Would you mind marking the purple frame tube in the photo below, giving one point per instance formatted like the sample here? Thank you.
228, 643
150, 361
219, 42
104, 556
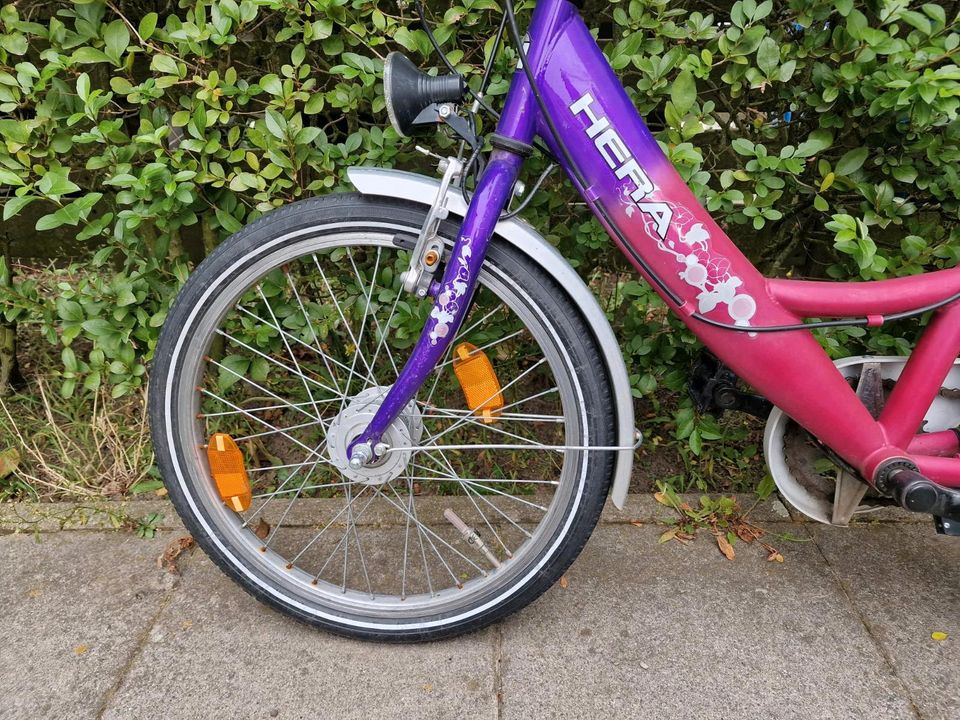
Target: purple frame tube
634, 190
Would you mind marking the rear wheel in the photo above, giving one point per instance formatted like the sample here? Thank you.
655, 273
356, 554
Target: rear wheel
288, 337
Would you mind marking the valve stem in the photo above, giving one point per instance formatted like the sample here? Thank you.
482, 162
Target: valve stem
470, 535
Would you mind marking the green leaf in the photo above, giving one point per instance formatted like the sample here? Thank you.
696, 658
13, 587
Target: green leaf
683, 93
87, 55
227, 221
69, 310
55, 185
768, 56
905, 173
83, 86
15, 44
742, 146
9, 462
234, 367
852, 161
271, 84
148, 25
818, 141
8, 177
165, 64
15, 205
314, 104
276, 125
116, 37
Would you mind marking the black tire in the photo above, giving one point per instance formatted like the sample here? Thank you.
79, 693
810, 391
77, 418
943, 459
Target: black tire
585, 360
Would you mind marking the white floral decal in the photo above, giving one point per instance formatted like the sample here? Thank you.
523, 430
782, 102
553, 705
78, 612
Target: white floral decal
448, 301
702, 269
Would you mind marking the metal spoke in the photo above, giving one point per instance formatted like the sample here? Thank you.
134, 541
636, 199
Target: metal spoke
259, 420
435, 437
322, 486
291, 406
502, 514
483, 348
293, 358
472, 419
469, 494
276, 362
428, 533
351, 522
312, 423
444, 413
326, 358
373, 315
329, 524
313, 332
343, 319
279, 524
423, 551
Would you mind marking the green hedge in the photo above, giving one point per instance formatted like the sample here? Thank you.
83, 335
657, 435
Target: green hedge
825, 135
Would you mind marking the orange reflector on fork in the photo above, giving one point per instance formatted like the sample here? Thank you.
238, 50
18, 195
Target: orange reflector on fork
479, 382
229, 474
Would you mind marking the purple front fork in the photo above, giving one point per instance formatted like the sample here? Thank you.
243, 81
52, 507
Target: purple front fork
452, 298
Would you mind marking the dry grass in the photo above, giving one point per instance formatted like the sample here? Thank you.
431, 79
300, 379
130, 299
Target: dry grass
78, 448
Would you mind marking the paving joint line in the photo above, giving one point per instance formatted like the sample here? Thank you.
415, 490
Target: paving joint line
137, 651
498, 669
887, 659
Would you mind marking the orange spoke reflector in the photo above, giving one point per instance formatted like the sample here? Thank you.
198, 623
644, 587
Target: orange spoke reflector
477, 378
229, 474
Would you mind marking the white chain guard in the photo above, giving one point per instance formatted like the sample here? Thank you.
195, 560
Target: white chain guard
943, 414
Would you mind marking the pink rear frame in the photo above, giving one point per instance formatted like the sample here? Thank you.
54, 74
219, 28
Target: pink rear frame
674, 243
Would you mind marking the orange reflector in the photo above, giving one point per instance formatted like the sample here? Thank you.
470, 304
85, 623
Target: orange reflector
226, 466
481, 389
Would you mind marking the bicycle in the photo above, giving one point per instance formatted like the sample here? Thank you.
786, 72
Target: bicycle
333, 431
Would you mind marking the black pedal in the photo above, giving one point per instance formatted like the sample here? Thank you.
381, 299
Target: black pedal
713, 388
947, 526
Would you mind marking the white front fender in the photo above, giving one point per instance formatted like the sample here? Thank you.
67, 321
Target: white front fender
421, 189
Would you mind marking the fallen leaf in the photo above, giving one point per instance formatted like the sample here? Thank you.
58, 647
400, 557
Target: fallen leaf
80, 649
662, 499
168, 560
774, 556
9, 461
725, 547
939, 636
262, 529
668, 535
564, 582
162, 492
637, 523
747, 533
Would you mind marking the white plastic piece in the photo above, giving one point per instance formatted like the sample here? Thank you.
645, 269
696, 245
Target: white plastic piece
942, 415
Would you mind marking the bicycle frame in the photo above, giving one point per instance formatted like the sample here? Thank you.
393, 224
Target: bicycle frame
631, 186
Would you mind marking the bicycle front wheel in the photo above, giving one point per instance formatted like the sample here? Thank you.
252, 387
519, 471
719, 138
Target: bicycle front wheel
287, 338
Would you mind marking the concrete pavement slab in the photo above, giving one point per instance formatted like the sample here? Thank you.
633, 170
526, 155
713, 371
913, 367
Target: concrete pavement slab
215, 652
665, 631
905, 582
75, 606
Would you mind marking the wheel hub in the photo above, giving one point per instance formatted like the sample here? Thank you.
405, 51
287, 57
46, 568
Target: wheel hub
405, 431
